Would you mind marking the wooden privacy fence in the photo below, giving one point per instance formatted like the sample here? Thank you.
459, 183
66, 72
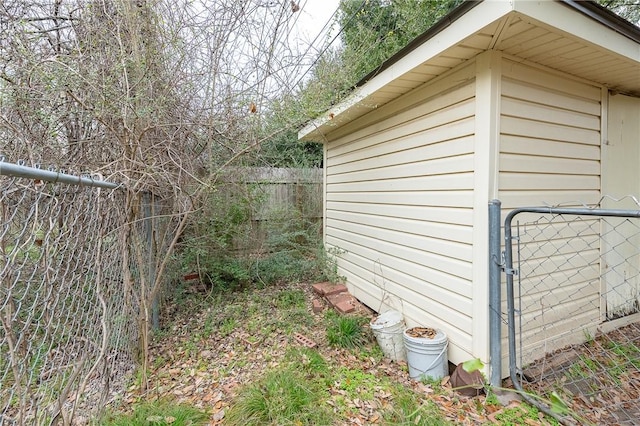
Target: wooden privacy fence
271, 200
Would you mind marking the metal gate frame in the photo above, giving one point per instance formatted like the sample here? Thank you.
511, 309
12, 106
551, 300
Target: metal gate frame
502, 262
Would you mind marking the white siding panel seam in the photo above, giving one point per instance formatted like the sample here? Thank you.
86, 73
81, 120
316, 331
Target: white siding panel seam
383, 276
531, 73
548, 114
427, 123
452, 89
447, 265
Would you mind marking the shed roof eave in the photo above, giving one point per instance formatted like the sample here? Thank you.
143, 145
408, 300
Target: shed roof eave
451, 29
606, 17
621, 41
588, 25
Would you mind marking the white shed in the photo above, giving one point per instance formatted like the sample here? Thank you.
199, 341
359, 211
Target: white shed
514, 100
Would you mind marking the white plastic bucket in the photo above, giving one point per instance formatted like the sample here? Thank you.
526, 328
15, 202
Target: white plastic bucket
427, 358
388, 328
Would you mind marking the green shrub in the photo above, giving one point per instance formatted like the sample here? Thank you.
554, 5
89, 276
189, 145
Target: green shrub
219, 242
226, 273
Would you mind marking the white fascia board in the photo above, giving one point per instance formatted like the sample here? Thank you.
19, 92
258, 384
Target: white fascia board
554, 14
470, 23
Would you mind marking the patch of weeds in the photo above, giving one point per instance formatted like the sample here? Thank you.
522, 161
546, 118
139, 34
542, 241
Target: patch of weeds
588, 337
628, 352
347, 332
160, 334
289, 299
521, 415
160, 412
356, 383
228, 326
435, 384
371, 353
268, 329
616, 373
209, 324
190, 348
409, 408
591, 364
583, 368
281, 397
236, 307
253, 307
398, 405
298, 317
159, 361
254, 325
492, 399
308, 360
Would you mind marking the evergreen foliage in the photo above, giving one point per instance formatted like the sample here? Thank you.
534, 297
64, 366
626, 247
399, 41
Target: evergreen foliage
373, 30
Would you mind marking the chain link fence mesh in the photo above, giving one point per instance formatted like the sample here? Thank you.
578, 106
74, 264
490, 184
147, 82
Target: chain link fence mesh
577, 312
69, 299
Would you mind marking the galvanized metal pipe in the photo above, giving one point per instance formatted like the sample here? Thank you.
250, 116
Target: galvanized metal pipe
17, 170
495, 296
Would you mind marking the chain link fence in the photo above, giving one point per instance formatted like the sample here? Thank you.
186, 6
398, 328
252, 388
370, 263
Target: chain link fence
70, 302
573, 308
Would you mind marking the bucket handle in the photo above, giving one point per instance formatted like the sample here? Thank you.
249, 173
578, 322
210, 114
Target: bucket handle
434, 360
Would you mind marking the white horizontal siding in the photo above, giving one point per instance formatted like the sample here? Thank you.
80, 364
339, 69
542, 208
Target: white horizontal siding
445, 141
536, 130
424, 116
416, 217
441, 255
523, 145
549, 138
390, 168
550, 155
416, 199
457, 181
398, 201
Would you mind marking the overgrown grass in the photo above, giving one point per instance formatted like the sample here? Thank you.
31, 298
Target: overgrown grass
411, 409
281, 397
307, 389
156, 413
347, 331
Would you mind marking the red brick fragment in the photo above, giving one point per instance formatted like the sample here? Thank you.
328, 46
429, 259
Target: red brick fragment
343, 302
305, 341
336, 289
327, 288
317, 306
345, 306
334, 299
320, 287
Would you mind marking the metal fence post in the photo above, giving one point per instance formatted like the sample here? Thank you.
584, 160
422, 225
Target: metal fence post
148, 202
495, 335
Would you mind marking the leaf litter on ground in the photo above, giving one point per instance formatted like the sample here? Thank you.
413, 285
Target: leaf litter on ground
196, 362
